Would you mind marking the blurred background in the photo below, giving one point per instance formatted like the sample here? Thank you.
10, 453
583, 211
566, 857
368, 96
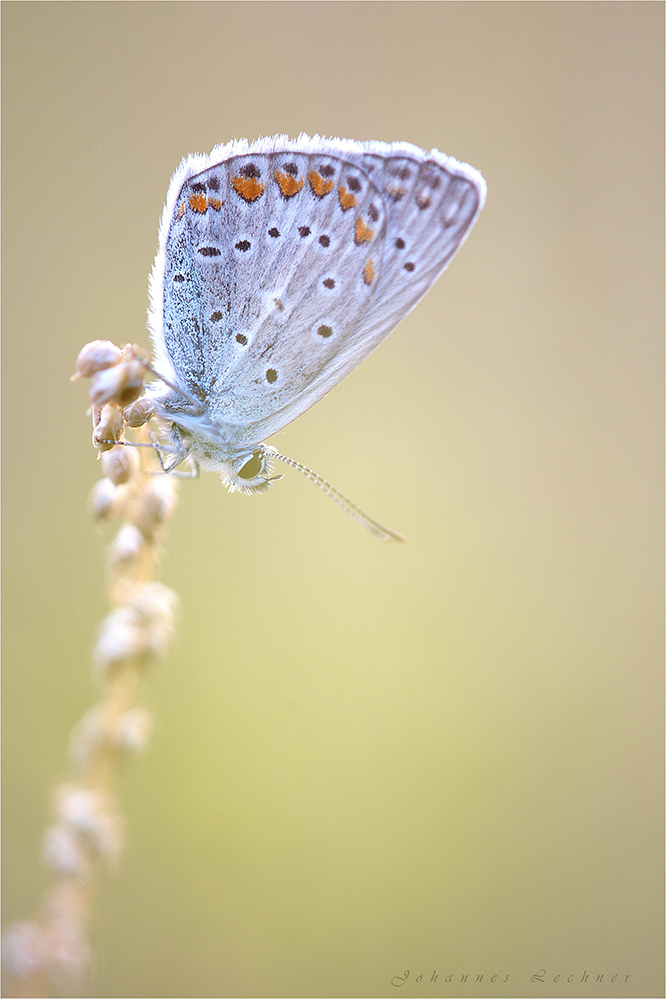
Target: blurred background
368, 759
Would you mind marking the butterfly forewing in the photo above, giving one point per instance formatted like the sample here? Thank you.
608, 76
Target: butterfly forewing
430, 208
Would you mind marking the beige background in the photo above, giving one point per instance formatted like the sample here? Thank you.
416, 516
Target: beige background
367, 758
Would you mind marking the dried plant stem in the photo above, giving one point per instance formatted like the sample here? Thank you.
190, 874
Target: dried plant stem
52, 951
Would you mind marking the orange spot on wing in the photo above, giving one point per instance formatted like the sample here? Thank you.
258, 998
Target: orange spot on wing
248, 188
369, 272
319, 185
181, 209
396, 193
288, 185
347, 199
198, 203
215, 203
362, 234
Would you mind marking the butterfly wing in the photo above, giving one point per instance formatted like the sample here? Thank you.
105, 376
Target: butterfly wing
283, 264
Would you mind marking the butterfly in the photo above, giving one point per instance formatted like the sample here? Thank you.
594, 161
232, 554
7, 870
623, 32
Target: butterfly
281, 265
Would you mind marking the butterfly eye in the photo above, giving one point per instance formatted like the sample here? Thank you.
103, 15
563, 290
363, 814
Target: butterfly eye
245, 471
253, 467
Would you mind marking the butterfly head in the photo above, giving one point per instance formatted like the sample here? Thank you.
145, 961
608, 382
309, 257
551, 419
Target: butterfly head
248, 471
192, 433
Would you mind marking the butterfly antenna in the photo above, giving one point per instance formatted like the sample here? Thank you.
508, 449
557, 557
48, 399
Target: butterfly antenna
380, 530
